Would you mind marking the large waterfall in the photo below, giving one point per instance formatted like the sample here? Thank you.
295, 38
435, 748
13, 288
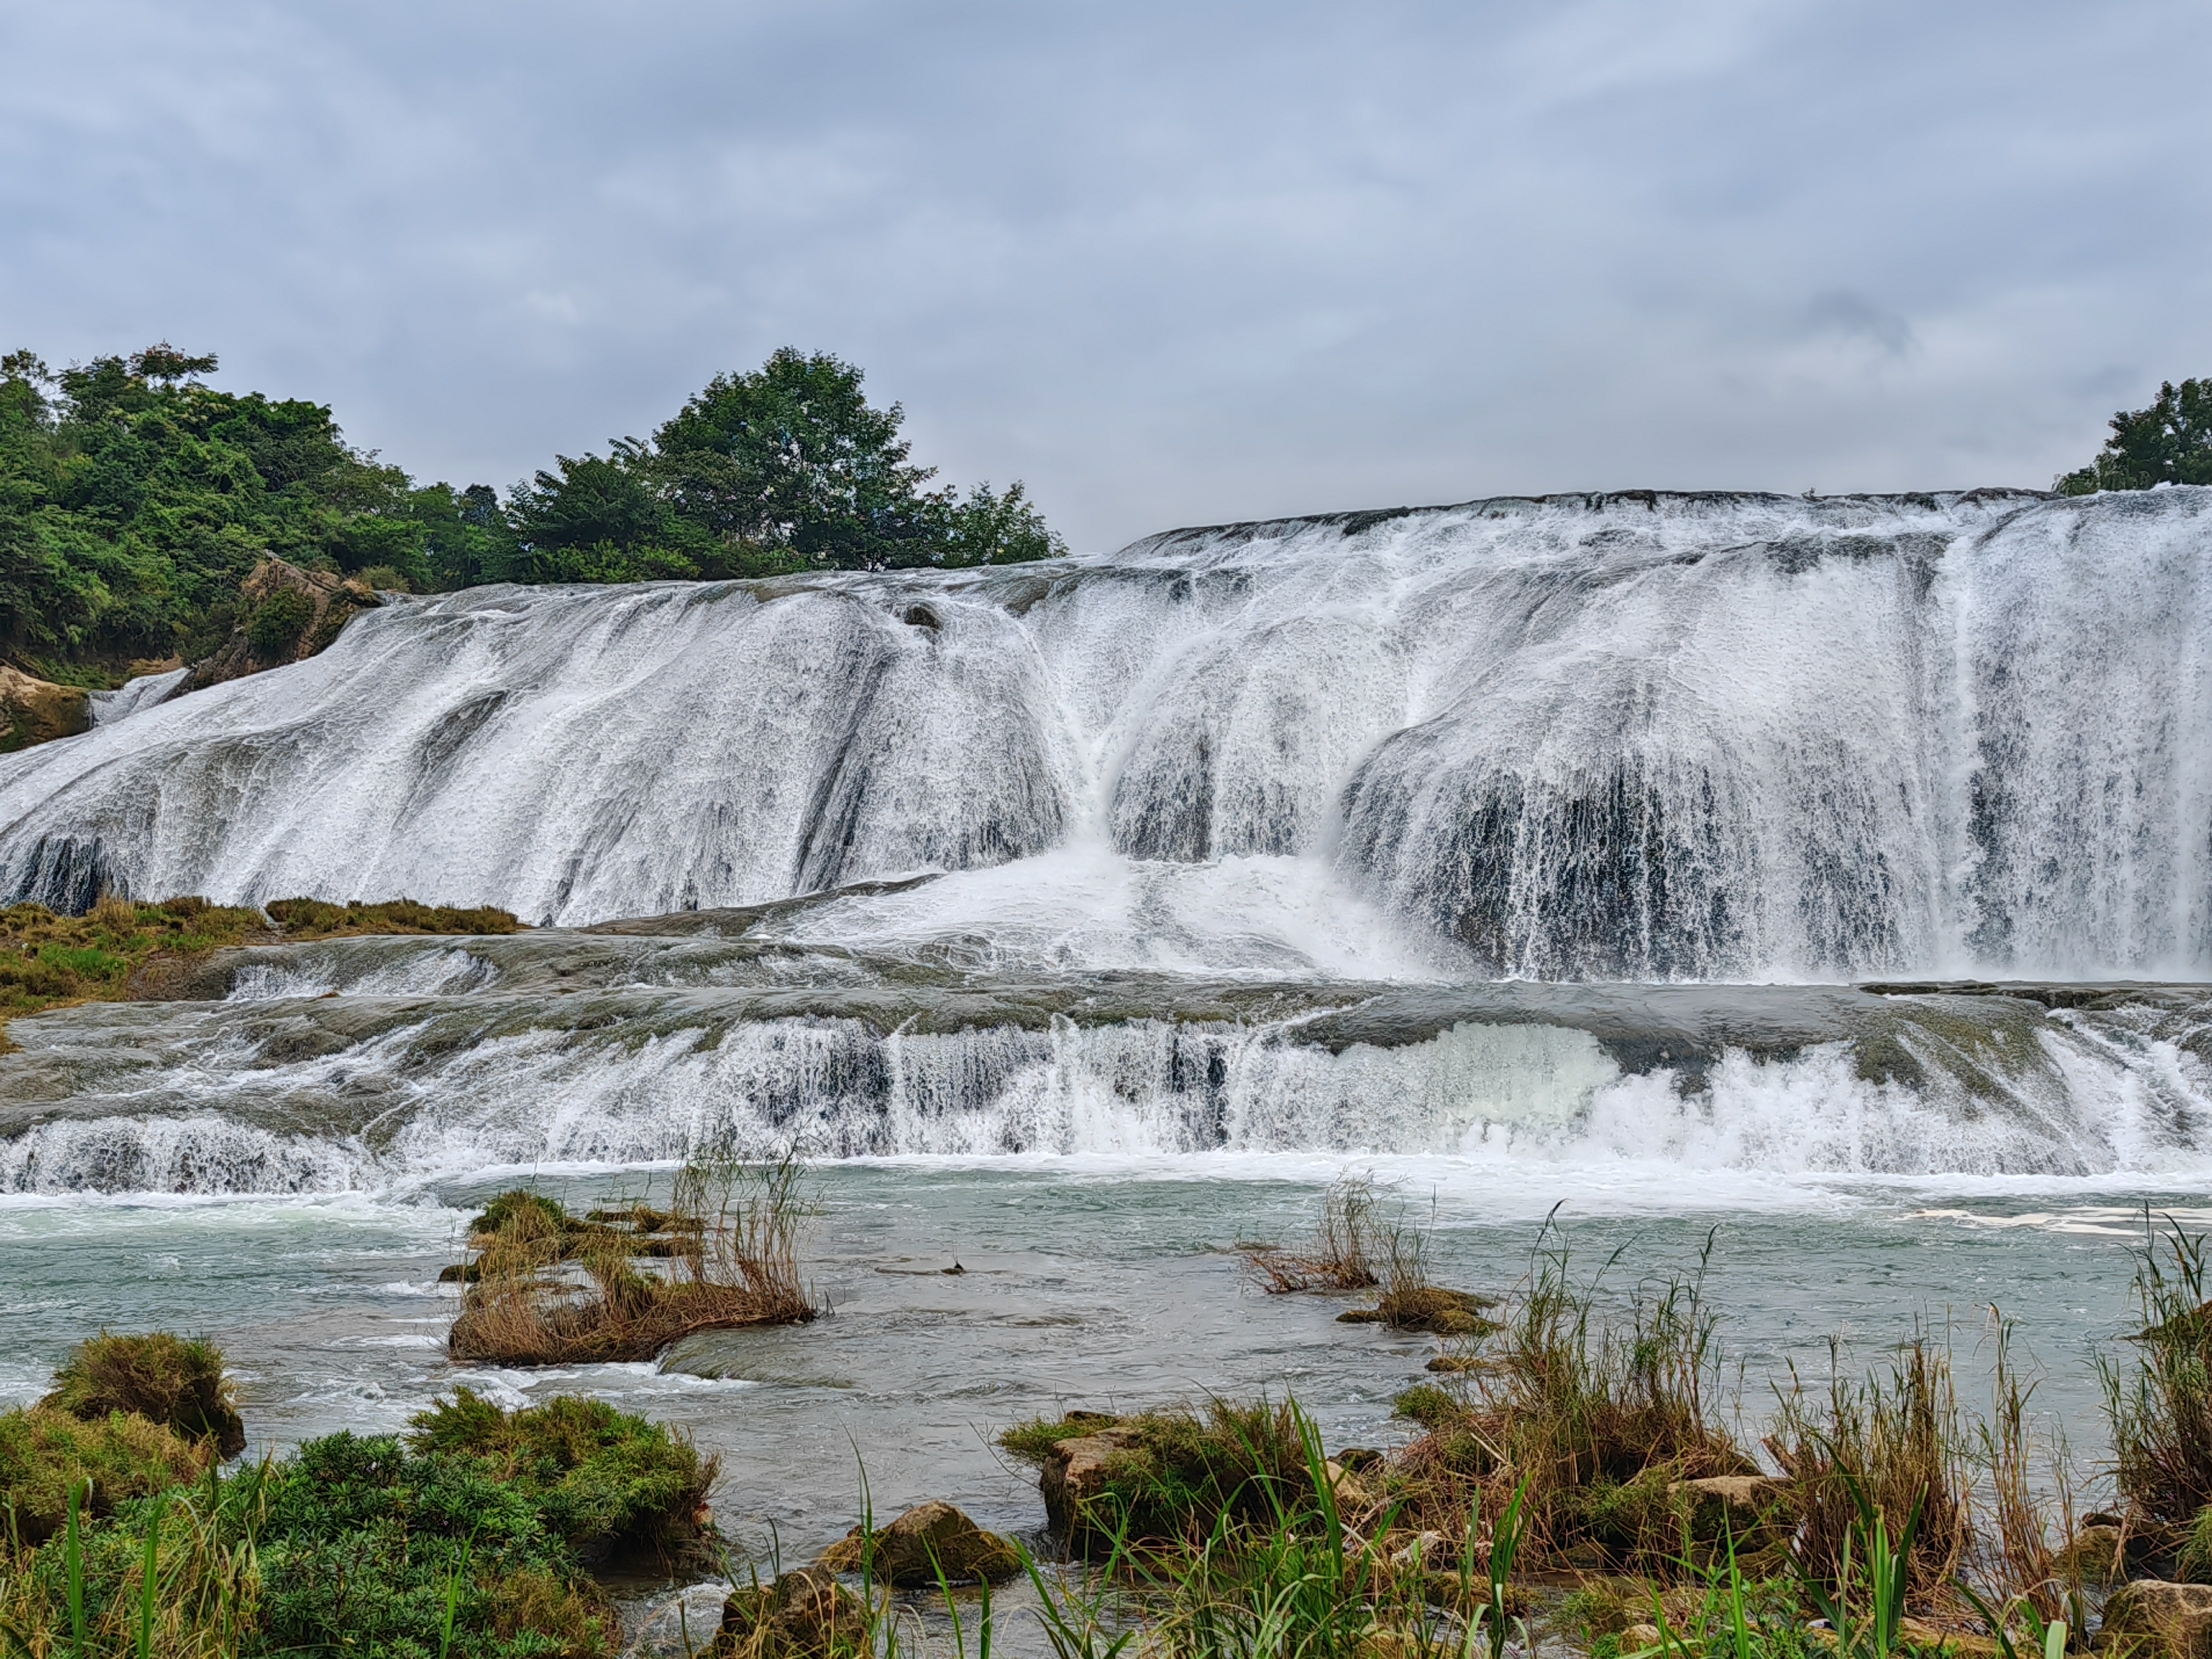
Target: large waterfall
1649, 736
1178, 808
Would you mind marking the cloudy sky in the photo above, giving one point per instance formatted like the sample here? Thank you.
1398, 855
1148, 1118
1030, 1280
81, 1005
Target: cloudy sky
1170, 263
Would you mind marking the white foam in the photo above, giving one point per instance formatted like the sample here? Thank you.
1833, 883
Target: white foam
1692, 738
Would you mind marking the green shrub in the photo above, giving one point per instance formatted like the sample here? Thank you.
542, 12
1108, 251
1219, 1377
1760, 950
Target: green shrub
604, 1482
278, 621
362, 1545
44, 1453
161, 1378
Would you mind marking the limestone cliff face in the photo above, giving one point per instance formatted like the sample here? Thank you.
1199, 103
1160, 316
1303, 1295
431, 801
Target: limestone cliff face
33, 711
327, 603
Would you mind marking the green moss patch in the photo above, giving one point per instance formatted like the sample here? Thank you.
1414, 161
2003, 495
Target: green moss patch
120, 949
44, 1453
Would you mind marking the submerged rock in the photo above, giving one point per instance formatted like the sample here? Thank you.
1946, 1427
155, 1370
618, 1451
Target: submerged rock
929, 1540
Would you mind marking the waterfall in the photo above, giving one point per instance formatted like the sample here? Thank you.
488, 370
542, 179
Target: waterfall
1665, 737
1527, 829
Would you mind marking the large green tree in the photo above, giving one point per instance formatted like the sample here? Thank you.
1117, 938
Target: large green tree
786, 467
2170, 442
134, 498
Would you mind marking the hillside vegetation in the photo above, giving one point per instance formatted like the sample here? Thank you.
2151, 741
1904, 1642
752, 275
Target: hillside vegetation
136, 500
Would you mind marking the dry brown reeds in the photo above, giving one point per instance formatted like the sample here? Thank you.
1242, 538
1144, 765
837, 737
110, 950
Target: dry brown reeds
1340, 1255
543, 1293
167, 1379
2159, 1406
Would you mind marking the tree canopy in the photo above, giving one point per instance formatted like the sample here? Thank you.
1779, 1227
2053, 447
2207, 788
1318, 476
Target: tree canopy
788, 467
135, 498
2170, 442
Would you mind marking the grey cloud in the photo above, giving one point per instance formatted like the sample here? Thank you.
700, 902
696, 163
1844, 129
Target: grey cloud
1169, 262
1854, 316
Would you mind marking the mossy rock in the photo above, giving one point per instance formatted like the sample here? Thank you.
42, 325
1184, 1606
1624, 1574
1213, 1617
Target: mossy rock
1428, 1308
165, 1379
44, 1453
929, 1542
807, 1615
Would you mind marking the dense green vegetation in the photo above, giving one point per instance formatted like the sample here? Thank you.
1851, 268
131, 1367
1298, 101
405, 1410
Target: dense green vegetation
2170, 442
135, 498
474, 1535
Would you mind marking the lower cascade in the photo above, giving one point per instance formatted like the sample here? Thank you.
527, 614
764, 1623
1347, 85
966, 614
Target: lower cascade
443, 1057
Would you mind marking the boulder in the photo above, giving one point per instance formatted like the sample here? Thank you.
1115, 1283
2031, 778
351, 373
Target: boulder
807, 1615
34, 711
2174, 1621
1074, 1476
323, 603
2098, 1554
928, 1541
1732, 1504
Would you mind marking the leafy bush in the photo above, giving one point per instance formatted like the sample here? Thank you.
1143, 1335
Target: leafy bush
481, 1521
606, 1482
278, 621
362, 1545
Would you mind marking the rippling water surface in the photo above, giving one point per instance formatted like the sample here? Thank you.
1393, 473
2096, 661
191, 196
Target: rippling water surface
1089, 1285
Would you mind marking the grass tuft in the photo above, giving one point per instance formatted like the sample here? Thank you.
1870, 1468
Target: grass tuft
163, 1378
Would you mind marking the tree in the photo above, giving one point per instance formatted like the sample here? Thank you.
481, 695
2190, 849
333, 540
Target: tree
135, 498
2170, 442
786, 467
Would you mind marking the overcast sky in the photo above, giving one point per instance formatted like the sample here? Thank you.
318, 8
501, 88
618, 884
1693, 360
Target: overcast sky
1170, 263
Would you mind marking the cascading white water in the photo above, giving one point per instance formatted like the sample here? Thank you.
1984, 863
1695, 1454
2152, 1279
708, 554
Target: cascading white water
1662, 737
1229, 826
